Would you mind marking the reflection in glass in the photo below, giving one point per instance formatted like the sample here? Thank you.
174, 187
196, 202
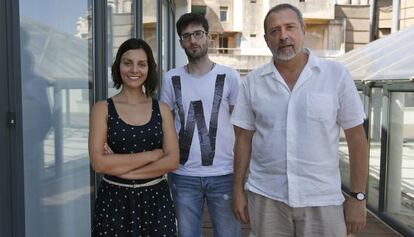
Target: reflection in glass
55, 97
400, 160
374, 147
36, 108
120, 28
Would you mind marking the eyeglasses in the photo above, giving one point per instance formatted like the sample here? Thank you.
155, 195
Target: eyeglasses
198, 34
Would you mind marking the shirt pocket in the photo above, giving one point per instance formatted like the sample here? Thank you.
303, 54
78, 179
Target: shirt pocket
320, 106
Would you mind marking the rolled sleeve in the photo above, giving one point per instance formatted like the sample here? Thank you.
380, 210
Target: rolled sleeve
235, 87
351, 111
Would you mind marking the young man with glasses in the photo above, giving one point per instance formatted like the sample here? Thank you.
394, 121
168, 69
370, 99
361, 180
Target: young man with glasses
202, 94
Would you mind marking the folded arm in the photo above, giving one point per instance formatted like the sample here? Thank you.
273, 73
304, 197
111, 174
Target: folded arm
169, 160
112, 164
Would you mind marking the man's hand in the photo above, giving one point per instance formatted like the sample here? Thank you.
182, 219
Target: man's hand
355, 215
240, 207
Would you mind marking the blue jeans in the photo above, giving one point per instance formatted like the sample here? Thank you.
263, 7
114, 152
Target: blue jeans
189, 194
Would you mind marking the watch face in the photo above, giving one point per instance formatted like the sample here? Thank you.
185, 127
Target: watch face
360, 196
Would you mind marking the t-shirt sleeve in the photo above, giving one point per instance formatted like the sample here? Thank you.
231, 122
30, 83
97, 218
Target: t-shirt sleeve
167, 93
243, 114
351, 111
234, 87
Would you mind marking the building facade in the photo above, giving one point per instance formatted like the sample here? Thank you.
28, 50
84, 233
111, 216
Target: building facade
333, 27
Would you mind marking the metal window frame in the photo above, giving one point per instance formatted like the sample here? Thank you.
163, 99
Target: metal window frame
5, 174
99, 48
12, 203
99, 83
138, 18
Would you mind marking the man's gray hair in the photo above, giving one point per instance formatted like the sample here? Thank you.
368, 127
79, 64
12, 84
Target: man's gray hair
285, 6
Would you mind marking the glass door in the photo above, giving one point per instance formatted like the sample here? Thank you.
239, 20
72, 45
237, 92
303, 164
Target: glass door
55, 51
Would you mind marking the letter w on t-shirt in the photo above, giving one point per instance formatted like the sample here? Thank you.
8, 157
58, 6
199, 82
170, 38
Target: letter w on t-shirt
195, 115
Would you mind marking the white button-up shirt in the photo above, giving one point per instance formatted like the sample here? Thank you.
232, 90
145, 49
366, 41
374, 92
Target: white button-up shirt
295, 157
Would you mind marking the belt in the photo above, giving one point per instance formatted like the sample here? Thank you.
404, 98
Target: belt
150, 183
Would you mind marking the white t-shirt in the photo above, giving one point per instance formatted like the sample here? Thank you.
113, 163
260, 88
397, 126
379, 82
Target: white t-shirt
295, 157
201, 108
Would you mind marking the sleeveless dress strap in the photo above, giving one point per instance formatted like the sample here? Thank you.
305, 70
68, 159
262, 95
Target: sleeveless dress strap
111, 108
155, 105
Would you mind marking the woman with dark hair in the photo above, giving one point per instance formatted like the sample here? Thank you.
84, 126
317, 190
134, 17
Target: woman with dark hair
132, 141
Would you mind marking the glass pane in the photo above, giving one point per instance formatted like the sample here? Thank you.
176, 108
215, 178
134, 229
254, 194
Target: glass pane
400, 175
401, 69
55, 67
150, 25
374, 146
389, 56
120, 28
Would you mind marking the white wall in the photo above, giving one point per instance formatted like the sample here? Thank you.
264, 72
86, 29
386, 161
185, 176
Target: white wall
238, 14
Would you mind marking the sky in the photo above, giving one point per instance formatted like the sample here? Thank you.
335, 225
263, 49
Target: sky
61, 15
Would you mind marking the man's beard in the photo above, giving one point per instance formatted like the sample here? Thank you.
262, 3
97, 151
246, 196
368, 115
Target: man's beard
196, 55
285, 55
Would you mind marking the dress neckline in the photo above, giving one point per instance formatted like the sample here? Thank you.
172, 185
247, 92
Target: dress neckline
134, 125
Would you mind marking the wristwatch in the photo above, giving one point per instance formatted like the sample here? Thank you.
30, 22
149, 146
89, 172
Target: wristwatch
360, 196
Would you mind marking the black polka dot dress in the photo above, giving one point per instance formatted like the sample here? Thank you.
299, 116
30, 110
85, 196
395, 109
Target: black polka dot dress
135, 212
